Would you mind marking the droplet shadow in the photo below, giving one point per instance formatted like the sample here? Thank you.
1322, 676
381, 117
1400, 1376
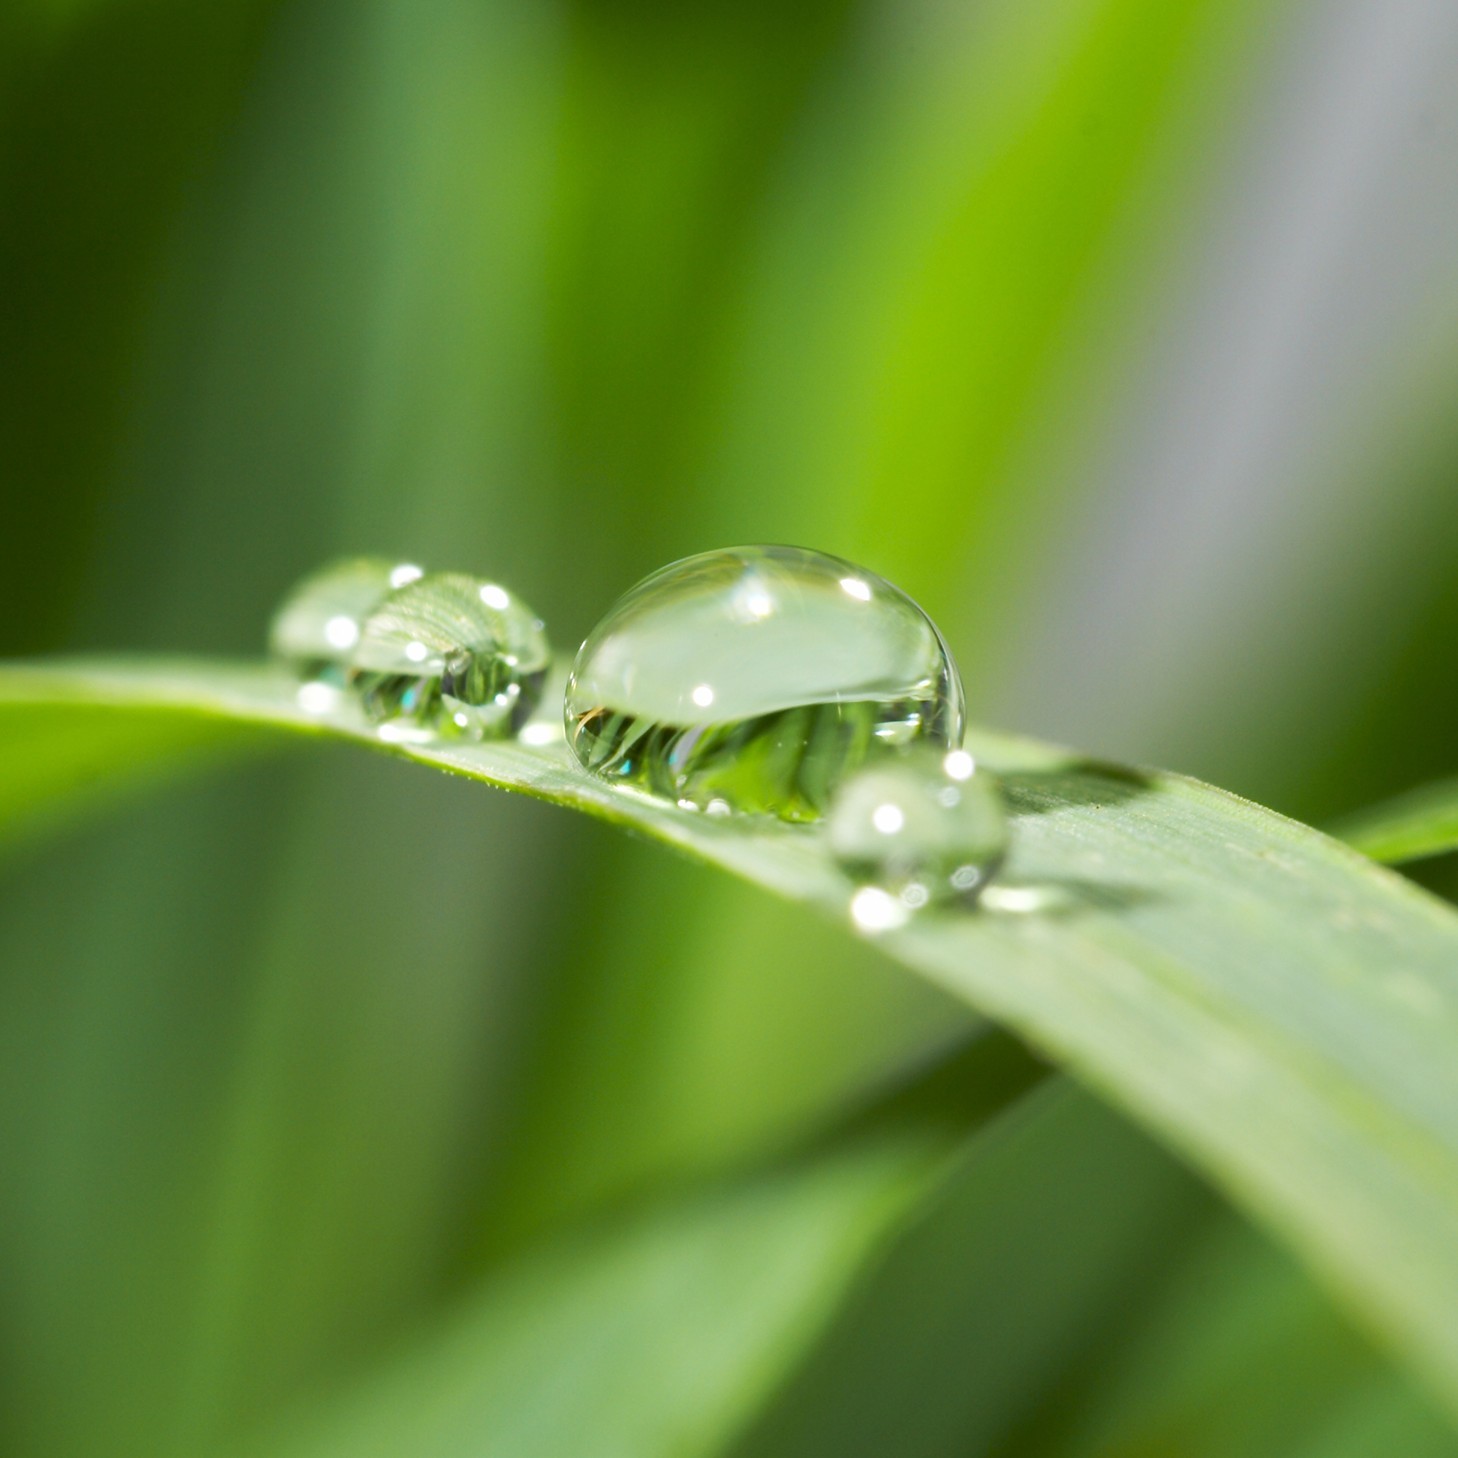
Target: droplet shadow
1084, 783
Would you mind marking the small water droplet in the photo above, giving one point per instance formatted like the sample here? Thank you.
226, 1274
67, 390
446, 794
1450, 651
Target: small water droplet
753, 680
920, 828
449, 654
318, 623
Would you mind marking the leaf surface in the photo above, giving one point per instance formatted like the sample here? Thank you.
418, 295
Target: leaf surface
1274, 1006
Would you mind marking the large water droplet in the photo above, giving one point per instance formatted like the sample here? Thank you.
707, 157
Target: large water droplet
754, 679
318, 624
450, 655
920, 829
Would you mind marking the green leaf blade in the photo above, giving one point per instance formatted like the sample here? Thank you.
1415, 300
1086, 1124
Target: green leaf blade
661, 1330
1412, 826
1269, 1002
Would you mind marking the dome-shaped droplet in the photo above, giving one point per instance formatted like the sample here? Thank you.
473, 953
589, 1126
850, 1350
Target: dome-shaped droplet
754, 679
318, 624
914, 830
452, 655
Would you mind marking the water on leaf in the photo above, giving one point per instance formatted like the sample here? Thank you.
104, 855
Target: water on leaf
920, 829
318, 625
752, 680
450, 655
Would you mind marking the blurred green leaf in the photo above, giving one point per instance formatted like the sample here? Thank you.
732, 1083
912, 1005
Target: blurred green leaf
54, 760
1055, 1231
1409, 827
658, 1334
1229, 1349
950, 223
1273, 1004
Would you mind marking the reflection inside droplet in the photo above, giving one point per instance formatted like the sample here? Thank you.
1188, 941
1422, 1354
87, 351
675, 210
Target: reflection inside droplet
341, 632
758, 677
959, 765
888, 819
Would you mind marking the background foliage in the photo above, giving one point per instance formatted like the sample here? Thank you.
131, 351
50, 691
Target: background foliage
1120, 333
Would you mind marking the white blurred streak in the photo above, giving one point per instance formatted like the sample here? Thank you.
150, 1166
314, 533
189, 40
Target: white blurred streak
1216, 510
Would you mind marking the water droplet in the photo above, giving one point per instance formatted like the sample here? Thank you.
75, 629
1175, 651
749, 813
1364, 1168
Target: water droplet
753, 680
319, 622
452, 655
916, 829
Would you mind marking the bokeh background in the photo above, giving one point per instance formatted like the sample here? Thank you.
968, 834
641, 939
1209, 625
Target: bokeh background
1122, 334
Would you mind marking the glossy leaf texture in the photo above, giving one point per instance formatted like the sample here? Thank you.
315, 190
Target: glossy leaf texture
1279, 1010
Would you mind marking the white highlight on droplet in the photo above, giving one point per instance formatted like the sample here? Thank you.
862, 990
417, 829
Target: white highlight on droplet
341, 632
718, 807
759, 604
318, 698
538, 735
404, 573
460, 721
1019, 900
874, 910
404, 734
703, 696
857, 589
495, 597
959, 765
417, 652
888, 819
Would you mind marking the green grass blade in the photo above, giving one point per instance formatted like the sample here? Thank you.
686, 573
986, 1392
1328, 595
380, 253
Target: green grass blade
658, 1333
957, 1336
1274, 1006
1409, 827
1230, 1350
